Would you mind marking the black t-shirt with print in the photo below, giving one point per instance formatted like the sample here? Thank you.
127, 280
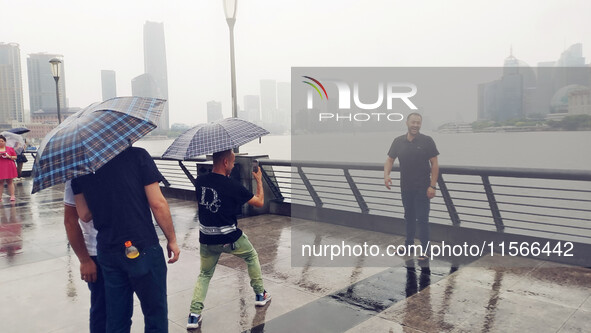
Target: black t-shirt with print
116, 196
220, 200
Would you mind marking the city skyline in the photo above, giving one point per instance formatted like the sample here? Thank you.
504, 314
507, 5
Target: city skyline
271, 38
155, 65
11, 92
109, 84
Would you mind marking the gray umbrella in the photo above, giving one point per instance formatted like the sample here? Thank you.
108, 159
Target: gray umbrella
213, 137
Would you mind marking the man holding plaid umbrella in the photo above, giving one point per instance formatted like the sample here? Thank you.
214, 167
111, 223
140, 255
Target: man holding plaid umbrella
116, 185
121, 196
220, 199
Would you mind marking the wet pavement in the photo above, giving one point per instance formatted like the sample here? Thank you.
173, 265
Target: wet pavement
40, 288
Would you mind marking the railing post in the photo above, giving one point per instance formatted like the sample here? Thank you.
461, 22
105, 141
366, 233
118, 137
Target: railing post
451, 208
187, 173
496, 213
358, 196
310, 188
276, 191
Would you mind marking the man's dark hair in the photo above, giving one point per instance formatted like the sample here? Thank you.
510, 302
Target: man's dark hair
219, 156
414, 114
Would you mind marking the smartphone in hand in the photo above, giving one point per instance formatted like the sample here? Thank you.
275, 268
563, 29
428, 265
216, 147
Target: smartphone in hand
255, 166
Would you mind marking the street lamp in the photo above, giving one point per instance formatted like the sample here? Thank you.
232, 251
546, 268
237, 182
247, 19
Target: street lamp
55, 71
230, 10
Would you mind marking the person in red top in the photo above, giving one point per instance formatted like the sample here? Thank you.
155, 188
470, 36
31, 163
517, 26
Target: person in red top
7, 168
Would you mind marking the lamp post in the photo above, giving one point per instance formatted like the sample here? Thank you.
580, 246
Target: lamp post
55, 71
230, 10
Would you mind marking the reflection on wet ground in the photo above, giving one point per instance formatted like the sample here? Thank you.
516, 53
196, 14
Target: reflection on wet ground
40, 289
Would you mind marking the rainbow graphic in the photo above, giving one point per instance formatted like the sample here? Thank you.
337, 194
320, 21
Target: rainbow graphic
316, 87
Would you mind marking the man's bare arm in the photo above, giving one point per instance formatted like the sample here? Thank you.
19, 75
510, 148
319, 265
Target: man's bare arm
159, 207
387, 169
434, 176
258, 200
82, 208
76, 239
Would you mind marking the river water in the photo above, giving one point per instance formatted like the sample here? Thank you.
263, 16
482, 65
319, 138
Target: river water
545, 150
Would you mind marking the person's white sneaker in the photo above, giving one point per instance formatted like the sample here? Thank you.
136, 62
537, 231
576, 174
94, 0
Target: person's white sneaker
262, 299
194, 320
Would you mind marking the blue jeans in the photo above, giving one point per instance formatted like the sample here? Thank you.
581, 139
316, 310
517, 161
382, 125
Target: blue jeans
210, 254
144, 275
98, 307
416, 211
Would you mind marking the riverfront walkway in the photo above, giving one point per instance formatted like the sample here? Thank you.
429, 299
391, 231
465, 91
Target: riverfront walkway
41, 290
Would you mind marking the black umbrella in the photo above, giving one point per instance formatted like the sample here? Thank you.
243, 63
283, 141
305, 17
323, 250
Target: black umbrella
19, 130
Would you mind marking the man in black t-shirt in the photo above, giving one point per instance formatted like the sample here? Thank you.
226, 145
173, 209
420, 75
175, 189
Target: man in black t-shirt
419, 171
121, 197
220, 200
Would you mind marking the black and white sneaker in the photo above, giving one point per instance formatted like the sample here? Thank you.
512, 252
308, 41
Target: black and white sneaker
194, 320
262, 299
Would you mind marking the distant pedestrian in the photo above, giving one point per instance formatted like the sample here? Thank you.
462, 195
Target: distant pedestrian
7, 168
21, 159
419, 170
220, 199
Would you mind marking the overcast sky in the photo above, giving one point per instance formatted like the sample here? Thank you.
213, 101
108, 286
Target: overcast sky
271, 36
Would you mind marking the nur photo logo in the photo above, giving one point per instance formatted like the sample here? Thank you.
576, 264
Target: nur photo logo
315, 86
348, 93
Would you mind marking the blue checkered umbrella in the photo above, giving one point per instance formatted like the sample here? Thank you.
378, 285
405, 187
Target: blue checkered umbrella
88, 139
213, 137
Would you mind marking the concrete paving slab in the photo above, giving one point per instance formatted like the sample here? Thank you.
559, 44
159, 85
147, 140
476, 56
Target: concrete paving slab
39, 279
378, 324
587, 305
580, 322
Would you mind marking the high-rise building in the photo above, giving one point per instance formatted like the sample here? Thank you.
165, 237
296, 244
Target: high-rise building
155, 64
522, 92
268, 101
42, 84
214, 111
11, 84
108, 84
283, 103
252, 107
144, 86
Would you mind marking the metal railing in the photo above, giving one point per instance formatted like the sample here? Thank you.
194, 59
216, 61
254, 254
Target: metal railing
553, 204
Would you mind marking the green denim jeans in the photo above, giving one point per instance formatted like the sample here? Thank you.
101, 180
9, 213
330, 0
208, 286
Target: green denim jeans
210, 254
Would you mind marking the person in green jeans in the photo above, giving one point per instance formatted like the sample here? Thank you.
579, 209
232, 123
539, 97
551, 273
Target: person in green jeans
220, 199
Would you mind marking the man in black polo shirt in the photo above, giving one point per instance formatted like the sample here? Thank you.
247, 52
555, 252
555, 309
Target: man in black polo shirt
419, 171
220, 200
121, 197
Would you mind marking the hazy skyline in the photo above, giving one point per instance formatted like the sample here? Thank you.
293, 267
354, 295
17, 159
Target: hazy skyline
273, 36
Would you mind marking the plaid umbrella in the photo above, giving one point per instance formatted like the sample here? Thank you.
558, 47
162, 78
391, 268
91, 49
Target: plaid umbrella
88, 139
213, 137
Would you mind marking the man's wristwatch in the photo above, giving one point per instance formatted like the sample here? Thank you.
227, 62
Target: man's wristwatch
433, 187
